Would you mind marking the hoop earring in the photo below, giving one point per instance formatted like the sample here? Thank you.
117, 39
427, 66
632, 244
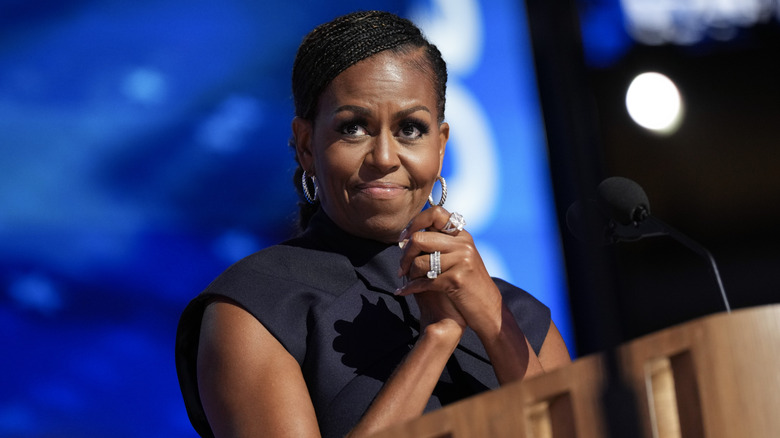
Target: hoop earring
443, 193
306, 193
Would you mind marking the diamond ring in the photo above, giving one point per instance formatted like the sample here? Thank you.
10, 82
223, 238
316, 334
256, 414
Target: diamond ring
454, 224
435, 262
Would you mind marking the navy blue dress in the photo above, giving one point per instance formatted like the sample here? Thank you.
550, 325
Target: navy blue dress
327, 297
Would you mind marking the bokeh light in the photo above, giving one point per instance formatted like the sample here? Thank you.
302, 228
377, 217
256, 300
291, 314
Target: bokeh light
654, 102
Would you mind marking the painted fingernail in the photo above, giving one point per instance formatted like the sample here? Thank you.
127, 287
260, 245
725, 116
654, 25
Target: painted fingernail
405, 231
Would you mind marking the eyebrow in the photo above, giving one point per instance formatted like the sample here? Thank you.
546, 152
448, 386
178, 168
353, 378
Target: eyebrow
366, 112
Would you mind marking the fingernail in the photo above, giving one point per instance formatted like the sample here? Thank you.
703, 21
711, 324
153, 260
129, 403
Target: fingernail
398, 291
405, 231
403, 243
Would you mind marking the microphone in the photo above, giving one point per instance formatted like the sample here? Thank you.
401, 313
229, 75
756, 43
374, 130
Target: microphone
622, 214
625, 206
623, 200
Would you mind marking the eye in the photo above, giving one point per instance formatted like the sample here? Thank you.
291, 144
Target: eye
352, 129
413, 130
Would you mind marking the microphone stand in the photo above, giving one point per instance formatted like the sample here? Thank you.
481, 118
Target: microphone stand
647, 225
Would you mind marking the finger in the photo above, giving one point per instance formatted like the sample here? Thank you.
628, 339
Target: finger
423, 243
454, 225
444, 283
415, 286
421, 265
434, 218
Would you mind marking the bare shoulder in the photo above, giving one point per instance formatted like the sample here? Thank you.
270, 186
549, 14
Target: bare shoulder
249, 384
553, 353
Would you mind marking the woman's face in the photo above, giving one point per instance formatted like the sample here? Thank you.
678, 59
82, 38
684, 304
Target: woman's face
375, 146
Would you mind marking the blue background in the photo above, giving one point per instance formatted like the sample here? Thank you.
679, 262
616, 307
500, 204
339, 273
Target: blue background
143, 149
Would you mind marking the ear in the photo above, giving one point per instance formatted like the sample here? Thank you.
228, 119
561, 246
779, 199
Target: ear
302, 133
444, 135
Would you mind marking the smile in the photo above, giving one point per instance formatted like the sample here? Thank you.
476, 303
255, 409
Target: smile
381, 190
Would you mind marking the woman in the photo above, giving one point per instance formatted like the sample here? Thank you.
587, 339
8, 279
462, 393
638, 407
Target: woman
380, 310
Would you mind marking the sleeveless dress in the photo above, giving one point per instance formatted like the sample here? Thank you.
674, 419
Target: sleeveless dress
327, 297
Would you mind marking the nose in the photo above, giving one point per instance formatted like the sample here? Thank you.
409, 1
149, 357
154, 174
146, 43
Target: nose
383, 155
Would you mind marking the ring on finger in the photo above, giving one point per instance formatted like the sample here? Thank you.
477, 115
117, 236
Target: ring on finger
454, 224
435, 264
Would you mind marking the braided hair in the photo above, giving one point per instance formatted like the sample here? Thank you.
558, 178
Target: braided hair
333, 47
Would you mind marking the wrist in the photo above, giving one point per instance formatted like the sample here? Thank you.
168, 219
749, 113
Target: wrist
503, 332
445, 332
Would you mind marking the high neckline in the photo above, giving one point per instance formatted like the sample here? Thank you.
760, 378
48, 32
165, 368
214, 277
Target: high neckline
377, 262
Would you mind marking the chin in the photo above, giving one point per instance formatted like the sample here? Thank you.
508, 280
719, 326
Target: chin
384, 228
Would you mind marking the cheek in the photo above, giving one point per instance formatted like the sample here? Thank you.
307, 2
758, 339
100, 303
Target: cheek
327, 162
336, 167
425, 167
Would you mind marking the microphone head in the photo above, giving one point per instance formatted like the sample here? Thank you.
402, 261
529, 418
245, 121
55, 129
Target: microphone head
623, 200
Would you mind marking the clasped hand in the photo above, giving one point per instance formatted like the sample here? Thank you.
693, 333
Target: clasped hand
464, 291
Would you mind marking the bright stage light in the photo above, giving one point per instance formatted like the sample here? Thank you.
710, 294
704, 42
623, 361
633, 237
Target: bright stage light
654, 103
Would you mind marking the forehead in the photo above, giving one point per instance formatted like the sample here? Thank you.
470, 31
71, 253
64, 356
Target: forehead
385, 78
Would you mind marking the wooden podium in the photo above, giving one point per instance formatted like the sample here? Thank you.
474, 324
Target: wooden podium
718, 376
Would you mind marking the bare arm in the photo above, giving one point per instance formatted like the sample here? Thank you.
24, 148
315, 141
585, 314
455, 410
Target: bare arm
553, 353
512, 356
251, 386
407, 391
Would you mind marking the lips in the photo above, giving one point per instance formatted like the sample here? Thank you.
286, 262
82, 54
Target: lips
381, 190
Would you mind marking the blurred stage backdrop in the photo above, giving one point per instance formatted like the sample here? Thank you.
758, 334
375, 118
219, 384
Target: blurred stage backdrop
143, 149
